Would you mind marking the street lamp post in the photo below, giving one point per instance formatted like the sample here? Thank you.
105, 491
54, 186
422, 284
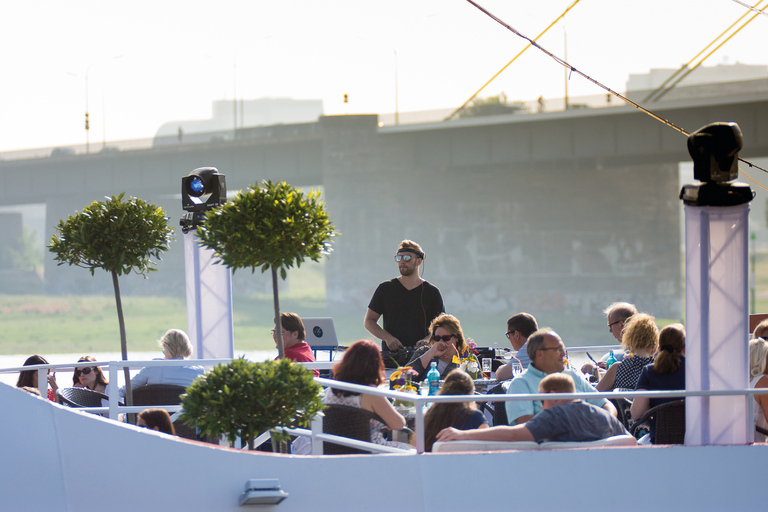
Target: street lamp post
87, 115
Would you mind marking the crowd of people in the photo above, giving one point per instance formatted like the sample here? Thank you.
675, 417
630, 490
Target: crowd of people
413, 318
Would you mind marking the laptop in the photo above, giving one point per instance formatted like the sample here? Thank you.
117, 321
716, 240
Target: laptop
320, 333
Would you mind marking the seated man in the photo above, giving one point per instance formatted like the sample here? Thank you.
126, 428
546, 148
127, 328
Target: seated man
547, 351
560, 420
176, 346
294, 346
519, 328
617, 315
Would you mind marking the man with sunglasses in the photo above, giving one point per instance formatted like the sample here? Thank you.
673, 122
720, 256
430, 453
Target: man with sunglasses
617, 315
547, 352
408, 303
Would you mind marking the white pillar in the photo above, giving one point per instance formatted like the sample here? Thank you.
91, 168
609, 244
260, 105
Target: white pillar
209, 302
717, 323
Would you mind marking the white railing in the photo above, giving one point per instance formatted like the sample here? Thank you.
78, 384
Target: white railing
419, 401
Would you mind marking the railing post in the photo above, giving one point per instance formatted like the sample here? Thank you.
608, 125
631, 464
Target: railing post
317, 428
114, 391
419, 427
42, 382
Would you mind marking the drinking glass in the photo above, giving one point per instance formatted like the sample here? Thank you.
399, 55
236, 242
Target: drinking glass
487, 367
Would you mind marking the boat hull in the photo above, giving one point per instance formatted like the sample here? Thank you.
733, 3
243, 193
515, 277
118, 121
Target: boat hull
56, 458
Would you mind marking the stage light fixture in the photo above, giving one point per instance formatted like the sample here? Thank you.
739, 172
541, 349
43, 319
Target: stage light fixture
203, 189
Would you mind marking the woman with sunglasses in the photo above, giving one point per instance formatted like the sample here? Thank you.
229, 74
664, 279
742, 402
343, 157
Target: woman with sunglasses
446, 342
91, 377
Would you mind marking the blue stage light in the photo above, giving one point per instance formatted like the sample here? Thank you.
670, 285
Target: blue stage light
196, 185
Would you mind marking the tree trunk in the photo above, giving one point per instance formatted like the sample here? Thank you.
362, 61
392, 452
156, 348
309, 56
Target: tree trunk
123, 340
278, 323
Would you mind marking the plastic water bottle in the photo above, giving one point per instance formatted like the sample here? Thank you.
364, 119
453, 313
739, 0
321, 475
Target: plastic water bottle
611, 359
433, 376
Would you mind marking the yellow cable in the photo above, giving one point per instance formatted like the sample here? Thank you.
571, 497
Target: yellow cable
513, 60
660, 89
750, 179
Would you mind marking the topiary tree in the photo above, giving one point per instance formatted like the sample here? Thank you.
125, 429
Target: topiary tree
243, 399
119, 237
271, 227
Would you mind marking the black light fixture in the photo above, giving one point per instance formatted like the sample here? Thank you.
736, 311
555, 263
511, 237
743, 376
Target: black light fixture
715, 152
203, 189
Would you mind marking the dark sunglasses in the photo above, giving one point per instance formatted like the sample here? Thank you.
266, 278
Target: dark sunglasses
447, 337
85, 371
403, 257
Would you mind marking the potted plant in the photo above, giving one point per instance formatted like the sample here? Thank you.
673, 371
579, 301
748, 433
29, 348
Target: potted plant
243, 399
119, 237
271, 227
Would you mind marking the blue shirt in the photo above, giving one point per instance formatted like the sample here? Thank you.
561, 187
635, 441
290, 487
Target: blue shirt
528, 383
174, 375
522, 356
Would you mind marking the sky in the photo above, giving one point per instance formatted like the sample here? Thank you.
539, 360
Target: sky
145, 63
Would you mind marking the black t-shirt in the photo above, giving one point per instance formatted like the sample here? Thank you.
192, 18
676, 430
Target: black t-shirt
407, 313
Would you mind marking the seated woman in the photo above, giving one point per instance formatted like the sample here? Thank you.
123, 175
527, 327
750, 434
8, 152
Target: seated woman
92, 377
446, 342
156, 419
176, 346
28, 378
666, 373
641, 338
758, 375
761, 330
460, 415
362, 364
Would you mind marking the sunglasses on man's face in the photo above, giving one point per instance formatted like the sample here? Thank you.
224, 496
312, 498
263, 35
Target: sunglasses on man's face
86, 371
445, 338
403, 257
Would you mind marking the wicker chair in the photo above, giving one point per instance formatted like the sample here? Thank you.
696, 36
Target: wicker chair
497, 409
164, 394
670, 422
622, 408
80, 397
346, 421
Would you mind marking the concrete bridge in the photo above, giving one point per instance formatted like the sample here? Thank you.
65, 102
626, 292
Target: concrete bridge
554, 213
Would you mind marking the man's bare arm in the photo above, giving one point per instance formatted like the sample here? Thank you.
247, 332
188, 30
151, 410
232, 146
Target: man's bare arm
500, 433
371, 324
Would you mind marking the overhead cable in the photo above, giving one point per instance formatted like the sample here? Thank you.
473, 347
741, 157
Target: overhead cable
604, 87
510, 62
662, 90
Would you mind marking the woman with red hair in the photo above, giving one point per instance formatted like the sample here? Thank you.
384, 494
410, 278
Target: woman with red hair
362, 364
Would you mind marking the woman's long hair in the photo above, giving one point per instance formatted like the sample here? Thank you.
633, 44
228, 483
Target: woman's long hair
671, 348
445, 414
27, 377
100, 379
361, 364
